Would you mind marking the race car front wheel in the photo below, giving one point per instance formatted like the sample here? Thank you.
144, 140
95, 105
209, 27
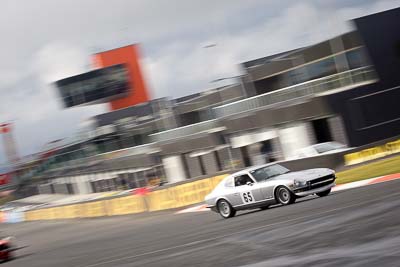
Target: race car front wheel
225, 209
284, 196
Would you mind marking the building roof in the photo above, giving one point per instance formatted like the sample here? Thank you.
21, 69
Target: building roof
263, 60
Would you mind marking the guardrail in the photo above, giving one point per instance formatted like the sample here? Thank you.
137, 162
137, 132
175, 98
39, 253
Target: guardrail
12, 216
348, 78
168, 198
189, 193
372, 153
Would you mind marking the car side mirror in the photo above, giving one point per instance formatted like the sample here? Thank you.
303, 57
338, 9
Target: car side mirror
249, 183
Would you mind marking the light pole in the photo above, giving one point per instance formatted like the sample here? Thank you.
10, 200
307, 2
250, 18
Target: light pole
214, 47
229, 147
232, 166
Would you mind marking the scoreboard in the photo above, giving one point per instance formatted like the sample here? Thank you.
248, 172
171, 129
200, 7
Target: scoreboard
97, 86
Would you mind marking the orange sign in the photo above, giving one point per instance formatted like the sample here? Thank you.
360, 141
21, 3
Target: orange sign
128, 55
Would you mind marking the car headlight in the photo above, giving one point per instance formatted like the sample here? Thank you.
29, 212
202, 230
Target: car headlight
298, 183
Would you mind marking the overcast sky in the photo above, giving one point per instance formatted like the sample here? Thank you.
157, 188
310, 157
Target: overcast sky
46, 40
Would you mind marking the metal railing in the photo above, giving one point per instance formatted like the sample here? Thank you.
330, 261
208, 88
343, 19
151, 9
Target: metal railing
351, 78
185, 131
99, 157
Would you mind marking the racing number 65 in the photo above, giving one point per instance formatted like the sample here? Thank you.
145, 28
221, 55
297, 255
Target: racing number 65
248, 197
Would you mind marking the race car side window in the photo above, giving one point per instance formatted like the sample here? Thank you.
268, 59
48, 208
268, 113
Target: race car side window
243, 180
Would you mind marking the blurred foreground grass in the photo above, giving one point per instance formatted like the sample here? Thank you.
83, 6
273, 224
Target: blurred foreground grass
374, 169
4, 200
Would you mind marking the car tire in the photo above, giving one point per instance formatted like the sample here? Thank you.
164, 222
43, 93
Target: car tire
10, 255
324, 193
225, 209
284, 196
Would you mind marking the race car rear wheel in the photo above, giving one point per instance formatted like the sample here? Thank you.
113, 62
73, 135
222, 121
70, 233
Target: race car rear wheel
324, 193
284, 196
10, 257
10, 254
225, 209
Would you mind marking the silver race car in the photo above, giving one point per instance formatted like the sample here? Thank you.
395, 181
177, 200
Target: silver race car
261, 186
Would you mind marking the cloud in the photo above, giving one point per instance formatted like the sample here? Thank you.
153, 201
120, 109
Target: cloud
186, 67
34, 106
59, 60
45, 40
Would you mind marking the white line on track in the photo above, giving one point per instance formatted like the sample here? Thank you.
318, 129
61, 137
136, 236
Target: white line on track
107, 262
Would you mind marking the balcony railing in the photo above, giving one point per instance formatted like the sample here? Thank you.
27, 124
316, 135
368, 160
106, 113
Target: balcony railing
205, 126
351, 78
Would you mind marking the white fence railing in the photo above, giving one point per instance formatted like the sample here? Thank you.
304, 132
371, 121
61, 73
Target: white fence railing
185, 131
336, 81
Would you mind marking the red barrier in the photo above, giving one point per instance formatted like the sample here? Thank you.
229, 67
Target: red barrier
141, 191
4, 179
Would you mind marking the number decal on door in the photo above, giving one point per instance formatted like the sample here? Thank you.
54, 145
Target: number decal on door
247, 197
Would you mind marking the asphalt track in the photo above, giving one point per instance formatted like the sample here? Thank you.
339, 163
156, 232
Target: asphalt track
356, 227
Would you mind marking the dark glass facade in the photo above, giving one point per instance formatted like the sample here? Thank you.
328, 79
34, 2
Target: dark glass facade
356, 58
352, 59
94, 86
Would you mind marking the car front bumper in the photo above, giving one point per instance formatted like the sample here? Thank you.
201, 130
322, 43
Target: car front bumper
302, 192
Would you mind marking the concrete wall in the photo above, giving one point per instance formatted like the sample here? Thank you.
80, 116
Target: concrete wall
337, 130
45, 189
61, 189
193, 166
174, 168
293, 137
210, 164
332, 161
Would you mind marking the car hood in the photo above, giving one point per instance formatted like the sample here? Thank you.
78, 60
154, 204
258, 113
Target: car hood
305, 175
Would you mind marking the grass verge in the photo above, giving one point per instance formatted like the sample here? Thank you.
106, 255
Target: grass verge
374, 169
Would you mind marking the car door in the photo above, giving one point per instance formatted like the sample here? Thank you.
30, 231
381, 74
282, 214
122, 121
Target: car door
266, 186
245, 194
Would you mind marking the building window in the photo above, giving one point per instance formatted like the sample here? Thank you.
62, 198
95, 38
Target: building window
138, 139
356, 58
321, 130
202, 167
218, 160
321, 68
245, 156
190, 118
186, 165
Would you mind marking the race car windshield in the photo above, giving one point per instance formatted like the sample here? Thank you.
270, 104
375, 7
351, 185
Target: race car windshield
267, 172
